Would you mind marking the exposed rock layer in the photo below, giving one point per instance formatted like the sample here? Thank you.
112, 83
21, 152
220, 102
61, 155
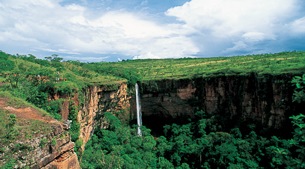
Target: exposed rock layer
49, 148
98, 100
264, 99
57, 153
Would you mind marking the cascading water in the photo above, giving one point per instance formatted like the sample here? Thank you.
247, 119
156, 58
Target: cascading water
139, 114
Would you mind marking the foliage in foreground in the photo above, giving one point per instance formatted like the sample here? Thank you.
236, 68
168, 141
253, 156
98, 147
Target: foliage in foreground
202, 143
198, 144
299, 92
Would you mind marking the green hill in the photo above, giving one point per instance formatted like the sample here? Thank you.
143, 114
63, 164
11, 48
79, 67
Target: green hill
150, 69
32, 90
286, 62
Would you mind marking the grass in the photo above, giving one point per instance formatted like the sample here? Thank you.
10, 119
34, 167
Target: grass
69, 71
79, 75
24, 130
2, 79
89, 76
3, 122
285, 62
19, 103
111, 73
14, 101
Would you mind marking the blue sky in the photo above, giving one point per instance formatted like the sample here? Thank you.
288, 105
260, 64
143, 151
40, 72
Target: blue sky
111, 30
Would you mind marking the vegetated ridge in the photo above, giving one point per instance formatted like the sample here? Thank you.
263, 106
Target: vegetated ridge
157, 69
52, 83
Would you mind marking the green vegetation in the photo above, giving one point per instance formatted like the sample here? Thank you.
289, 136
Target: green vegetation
44, 84
202, 143
14, 131
43, 142
75, 128
14, 101
11, 131
9, 165
14, 128
75, 75
299, 92
5, 63
53, 142
285, 62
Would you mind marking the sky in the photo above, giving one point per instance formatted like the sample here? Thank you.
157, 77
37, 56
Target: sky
113, 30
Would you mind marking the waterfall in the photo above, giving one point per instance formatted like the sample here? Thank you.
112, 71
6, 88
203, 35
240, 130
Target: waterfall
139, 114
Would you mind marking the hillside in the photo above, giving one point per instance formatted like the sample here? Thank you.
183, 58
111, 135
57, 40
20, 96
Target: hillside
49, 69
279, 63
117, 72
29, 137
240, 91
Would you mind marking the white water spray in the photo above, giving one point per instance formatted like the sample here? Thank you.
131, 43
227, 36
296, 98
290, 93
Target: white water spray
139, 114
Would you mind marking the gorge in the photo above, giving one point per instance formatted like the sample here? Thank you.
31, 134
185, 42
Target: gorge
260, 95
264, 100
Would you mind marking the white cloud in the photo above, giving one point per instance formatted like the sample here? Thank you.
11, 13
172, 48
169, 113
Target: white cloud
256, 36
72, 28
198, 27
238, 25
228, 18
238, 46
174, 47
131, 26
298, 26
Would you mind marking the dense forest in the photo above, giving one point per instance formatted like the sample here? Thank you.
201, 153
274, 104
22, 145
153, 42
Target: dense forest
202, 142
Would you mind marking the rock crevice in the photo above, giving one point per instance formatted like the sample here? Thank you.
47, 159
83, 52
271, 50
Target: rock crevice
263, 99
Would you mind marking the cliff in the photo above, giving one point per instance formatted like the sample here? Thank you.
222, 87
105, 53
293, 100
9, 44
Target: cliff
265, 100
100, 99
34, 139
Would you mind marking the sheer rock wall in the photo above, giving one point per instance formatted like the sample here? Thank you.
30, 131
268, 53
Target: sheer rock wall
264, 99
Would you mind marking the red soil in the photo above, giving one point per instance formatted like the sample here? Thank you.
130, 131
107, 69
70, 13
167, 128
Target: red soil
26, 112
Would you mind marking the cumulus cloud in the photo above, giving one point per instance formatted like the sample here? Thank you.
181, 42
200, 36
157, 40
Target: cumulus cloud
242, 23
45, 25
227, 18
298, 26
196, 28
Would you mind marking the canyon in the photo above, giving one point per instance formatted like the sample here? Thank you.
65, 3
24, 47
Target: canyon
263, 100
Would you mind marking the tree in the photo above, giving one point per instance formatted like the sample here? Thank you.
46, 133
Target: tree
299, 92
11, 131
6, 64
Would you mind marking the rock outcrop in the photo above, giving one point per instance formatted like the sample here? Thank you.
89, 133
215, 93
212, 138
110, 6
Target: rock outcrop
98, 100
39, 142
58, 152
263, 99
54, 150
88, 112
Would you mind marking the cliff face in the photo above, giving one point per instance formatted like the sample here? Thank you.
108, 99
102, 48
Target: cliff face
263, 99
54, 150
99, 99
87, 114
58, 153
50, 151
39, 140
